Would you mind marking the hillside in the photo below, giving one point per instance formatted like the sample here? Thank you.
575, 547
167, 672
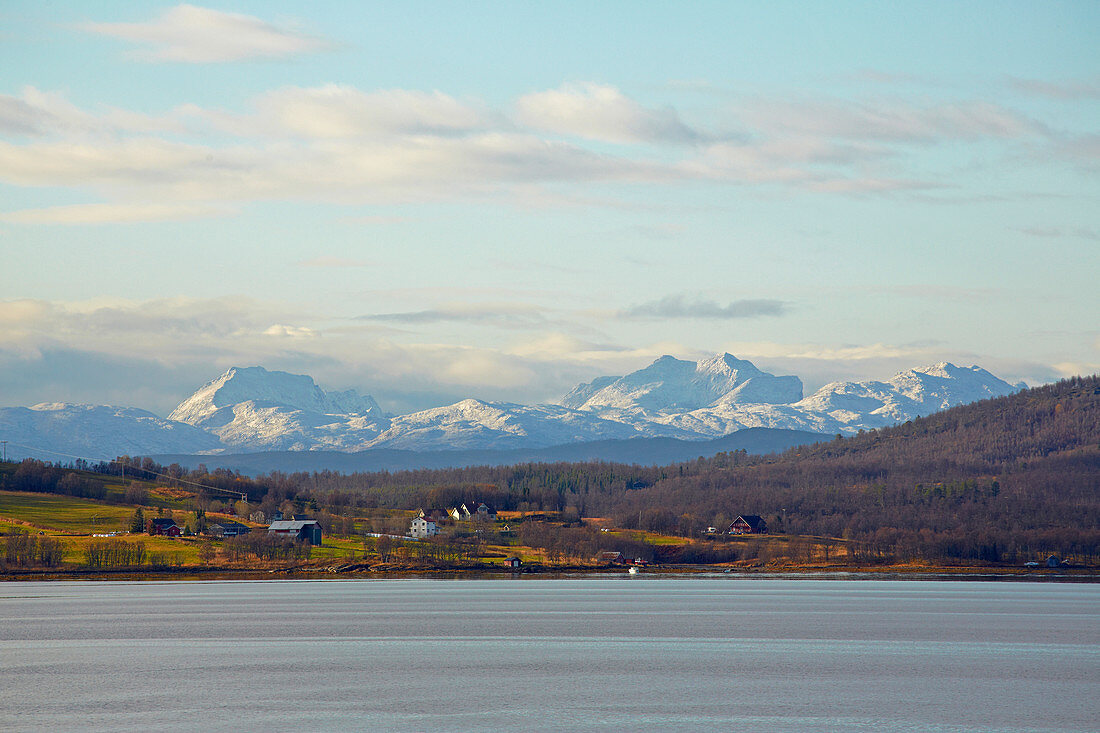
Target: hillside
998, 479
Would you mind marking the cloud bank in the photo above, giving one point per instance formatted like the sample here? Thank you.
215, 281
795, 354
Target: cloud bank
195, 35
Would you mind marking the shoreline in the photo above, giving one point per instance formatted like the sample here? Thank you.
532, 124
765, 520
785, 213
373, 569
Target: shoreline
380, 572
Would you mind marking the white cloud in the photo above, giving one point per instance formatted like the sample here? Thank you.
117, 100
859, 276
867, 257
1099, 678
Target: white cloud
192, 34
282, 330
339, 144
600, 112
341, 111
679, 306
41, 113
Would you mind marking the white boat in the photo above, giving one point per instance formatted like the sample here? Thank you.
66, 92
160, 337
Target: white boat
632, 570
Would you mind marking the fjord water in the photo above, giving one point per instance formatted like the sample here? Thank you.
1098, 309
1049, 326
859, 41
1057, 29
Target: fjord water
600, 653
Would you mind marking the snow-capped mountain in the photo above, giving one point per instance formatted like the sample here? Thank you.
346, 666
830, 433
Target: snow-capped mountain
476, 424
840, 407
253, 409
673, 385
256, 409
59, 430
907, 395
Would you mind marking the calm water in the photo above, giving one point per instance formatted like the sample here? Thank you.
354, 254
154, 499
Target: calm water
607, 653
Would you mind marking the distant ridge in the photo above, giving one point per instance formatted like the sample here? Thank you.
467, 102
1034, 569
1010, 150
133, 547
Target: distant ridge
641, 451
252, 409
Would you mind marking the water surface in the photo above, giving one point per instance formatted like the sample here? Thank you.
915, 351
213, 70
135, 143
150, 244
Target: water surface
603, 653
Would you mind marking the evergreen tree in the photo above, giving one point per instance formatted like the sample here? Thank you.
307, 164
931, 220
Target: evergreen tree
137, 522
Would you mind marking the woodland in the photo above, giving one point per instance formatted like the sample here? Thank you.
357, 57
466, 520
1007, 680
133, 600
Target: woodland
997, 481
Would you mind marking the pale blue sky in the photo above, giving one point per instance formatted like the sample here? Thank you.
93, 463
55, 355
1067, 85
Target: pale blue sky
429, 201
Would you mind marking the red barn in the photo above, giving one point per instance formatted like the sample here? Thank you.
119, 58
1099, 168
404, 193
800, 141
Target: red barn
749, 524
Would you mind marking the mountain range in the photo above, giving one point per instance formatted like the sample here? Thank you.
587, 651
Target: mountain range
251, 409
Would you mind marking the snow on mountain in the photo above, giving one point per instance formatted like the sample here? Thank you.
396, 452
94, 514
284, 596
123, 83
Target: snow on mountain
476, 424
253, 409
256, 409
582, 392
909, 394
674, 385
664, 398
96, 431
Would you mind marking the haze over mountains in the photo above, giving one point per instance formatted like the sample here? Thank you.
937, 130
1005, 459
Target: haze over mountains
255, 410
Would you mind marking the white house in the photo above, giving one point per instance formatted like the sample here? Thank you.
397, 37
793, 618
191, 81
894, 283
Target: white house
421, 528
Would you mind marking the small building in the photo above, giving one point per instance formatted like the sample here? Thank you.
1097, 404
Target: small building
472, 511
422, 527
164, 526
512, 563
749, 524
306, 530
484, 512
226, 528
1053, 561
613, 558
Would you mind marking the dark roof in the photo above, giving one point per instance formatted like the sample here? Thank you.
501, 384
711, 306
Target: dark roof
753, 520
291, 525
163, 522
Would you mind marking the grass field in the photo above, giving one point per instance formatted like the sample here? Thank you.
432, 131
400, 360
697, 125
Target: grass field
77, 520
64, 514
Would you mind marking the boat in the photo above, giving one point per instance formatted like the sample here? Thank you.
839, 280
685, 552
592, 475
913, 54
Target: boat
632, 570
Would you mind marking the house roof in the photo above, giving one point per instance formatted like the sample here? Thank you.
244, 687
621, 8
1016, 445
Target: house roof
291, 525
753, 520
163, 522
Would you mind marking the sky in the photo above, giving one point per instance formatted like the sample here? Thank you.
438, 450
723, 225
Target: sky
429, 201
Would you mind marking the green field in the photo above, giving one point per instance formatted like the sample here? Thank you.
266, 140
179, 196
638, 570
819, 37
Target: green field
64, 514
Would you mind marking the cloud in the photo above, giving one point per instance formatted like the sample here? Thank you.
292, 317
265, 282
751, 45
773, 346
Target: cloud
335, 111
502, 315
818, 364
677, 306
152, 354
282, 330
382, 171
80, 214
340, 144
601, 112
891, 120
38, 113
1064, 90
196, 35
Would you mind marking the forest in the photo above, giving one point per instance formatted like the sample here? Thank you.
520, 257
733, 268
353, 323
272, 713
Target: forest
995, 481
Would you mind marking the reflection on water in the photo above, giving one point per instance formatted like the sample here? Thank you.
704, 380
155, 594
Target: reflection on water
607, 653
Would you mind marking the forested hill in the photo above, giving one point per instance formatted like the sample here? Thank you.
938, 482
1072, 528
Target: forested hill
1000, 480
1012, 475
994, 479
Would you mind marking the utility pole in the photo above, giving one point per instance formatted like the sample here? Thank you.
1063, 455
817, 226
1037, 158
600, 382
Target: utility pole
5, 450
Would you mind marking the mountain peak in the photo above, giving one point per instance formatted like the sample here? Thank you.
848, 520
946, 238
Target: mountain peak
671, 384
269, 388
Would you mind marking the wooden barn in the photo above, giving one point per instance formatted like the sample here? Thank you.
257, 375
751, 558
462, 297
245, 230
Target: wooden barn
749, 524
307, 530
